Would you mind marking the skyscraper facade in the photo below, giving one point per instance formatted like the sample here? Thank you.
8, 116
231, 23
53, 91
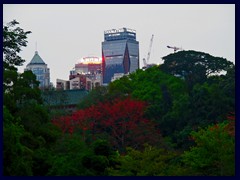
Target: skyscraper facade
120, 53
40, 69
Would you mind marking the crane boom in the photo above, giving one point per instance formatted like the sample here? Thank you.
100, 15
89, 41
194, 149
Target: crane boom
174, 48
149, 50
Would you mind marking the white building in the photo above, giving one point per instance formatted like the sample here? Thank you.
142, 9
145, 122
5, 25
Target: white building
62, 84
40, 69
117, 76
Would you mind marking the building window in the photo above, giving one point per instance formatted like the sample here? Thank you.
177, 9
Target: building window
37, 71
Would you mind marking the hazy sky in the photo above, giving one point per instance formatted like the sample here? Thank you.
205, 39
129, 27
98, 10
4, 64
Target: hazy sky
65, 33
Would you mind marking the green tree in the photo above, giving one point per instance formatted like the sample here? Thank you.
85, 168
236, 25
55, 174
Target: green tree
97, 95
211, 103
17, 158
194, 66
17, 88
226, 83
120, 88
155, 87
150, 162
67, 157
102, 157
14, 38
28, 134
73, 157
214, 152
166, 96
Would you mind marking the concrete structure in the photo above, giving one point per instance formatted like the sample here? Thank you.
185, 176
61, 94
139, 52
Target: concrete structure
93, 82
86, 74
62, 84
87, 65
78, 82
40, 69
120, 53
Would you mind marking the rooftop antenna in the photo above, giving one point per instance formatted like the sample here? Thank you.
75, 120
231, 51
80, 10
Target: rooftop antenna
36, 45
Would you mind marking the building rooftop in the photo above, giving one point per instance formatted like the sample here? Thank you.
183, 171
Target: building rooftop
63, 98
36, 59
119, 34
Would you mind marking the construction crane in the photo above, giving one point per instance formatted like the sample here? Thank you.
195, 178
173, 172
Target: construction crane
174, 48
145, 61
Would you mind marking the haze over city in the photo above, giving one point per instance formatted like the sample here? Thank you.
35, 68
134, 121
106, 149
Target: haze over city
63, 34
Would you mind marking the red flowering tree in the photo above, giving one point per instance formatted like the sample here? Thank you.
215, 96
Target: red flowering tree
122, 121
230, 128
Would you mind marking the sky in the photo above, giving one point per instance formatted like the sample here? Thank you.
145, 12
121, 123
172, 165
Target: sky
64, 33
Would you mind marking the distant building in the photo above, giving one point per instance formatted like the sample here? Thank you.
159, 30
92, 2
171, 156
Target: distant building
120, 53
87, 65
40, 69
93, 82
86, 74
117, 76
63, 100
78, 82
62, 84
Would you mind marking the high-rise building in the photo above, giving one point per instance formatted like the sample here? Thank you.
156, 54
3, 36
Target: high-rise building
120, 53
40, 69
87, 66
86, 74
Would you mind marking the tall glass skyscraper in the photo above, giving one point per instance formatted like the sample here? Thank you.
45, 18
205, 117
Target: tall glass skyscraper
120, 53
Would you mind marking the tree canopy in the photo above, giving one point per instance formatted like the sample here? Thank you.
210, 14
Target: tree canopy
27, 131
14, 38
194, 66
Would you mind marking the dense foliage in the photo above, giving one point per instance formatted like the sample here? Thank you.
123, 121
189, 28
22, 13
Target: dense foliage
214, 151
169, 120
27, 131
194, 67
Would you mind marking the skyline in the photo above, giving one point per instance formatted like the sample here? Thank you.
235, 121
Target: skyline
66, 33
